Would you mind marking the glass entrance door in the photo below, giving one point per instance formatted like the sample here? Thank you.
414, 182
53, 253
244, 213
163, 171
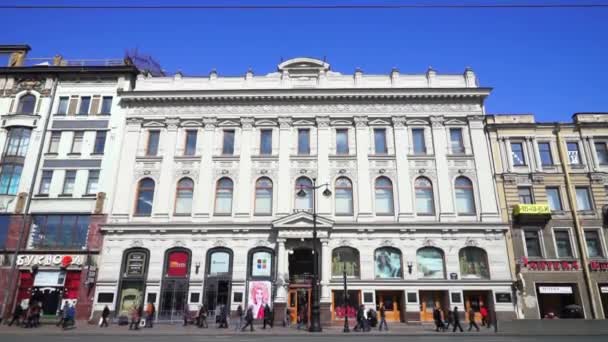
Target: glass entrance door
298, 302
173, 299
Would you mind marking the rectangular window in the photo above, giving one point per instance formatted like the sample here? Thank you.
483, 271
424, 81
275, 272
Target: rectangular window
573, 153
62, 108
456, 141
54, 143
303, 141
525, 195
4, 221
583, 199
45, 182
554, 198
18, 141
106, 105
100, 142
68, 182
266, 142
601, 148
418, 141
228, 143
563, 244
533, 243
153, 140
85, 104
77, 142
10, 176
342, 141
93, 182
60, 231
594, 245
190, 148
380, 141
544, 149
517, 153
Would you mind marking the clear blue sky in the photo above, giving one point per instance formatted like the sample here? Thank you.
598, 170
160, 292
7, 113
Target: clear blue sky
550, 62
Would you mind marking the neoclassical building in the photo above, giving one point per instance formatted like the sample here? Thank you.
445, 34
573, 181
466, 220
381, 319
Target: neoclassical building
213, 200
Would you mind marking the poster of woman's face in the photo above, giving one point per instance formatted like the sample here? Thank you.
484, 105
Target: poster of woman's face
259, 296
388, 264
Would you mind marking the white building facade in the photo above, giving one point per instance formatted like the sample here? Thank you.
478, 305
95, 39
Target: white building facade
213, 199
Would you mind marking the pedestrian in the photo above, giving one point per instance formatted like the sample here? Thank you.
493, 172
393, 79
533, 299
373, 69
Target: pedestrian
70, 317
29, 316
224, 316
202, 317
248, 319
17, 315
472, 322
150, 312
267, 316
134, 325
36, 310
104, 317
449, 319
186, 315
287, 319
483, 311
382, 311
360, 318
437, 318
456, 320
239, 315
302, 317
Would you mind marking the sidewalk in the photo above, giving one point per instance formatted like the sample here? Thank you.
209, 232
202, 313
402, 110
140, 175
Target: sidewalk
83, 328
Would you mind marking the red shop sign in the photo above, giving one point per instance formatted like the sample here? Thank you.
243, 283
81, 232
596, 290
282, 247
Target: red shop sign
550, 265
177, 264
598, 265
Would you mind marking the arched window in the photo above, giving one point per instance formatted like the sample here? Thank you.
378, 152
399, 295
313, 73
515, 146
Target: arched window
303, 200
145, 197
388, 263
465, 200
27, 104
384, 196
132, 280
260, 262
430, 263
223, 196
263, 196
344, 196
473, 263
183, 196
345, 259
424, 196
219, 262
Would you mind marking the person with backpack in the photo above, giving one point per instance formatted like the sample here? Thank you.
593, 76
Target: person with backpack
104, 317
248, 319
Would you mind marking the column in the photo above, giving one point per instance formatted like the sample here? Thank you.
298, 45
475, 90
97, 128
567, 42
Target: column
281, 263
364, 185
125, 187
203, 197
483, 169
404, 187
244, 192
325, 270
440, 144
164, 195
323, 143
285, 192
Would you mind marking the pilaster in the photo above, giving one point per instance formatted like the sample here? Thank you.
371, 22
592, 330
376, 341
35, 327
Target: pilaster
202, 203
364, 185
244, 182
324, 206
164, 195
125, 184
440, 145
483, 169
404, 187
325, 270
285, 193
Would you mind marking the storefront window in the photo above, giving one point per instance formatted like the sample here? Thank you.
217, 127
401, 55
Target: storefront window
261, 264
134, 270
174, 290
346, 308
345, 259
60, 231
474, 263
388, 263
430, 263
219, 262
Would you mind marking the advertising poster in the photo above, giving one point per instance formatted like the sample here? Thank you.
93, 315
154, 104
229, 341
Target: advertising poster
259, 296
261, 264
388, 263
430, 264
177, 264
220, 263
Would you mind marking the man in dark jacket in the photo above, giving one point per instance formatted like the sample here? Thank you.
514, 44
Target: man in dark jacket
248, 319
104, 317
457, 320
437, 319
17, 314
267, 318
360, 318
472, 322
239, 314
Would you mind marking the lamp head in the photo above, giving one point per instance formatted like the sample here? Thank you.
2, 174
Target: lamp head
301, 192
326, 192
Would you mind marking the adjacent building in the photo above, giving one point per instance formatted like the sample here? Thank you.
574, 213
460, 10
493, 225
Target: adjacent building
213, 195
553, 185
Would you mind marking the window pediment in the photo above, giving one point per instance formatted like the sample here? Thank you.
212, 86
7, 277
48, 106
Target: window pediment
302, 220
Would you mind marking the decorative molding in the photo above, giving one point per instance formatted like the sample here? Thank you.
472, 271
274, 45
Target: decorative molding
399, 121
323, 121
178, 243
263, 243
247, 122
428, 243
285, 122
136, 243
344, 243
361, 121
219, 243
471, 243
387, 243
437, 121
210, 123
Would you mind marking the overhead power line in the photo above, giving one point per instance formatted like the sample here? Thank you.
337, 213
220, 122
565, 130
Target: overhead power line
309, 7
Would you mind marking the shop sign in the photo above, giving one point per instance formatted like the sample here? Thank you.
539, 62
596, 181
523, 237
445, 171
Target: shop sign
49, 278
598, 265
58, 260
531, 209
604, 289
220, 263
550, 265
503, 297
555, 289
136, 262
177, 264
261, 264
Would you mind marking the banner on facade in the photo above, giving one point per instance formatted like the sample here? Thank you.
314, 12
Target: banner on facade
259, 295
49, 278
604, 289
555, 289
135, 266
261, 264
388, 263
28, 260
177, 264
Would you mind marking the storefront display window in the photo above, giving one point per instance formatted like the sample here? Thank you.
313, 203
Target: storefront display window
60, 231
348, 308
133, 278
345, 259
219, 262
219, 278
388, 263
430, 263
260, 294
474, 263
174, 290
261, 264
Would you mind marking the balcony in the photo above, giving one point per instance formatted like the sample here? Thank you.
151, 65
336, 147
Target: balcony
532, 213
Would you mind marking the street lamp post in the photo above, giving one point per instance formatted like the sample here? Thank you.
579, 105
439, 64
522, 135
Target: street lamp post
315, 321
346, 328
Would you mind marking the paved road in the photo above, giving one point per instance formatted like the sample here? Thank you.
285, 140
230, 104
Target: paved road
68, 337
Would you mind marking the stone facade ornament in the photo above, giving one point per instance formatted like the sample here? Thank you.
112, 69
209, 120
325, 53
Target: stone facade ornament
136, 243
428, 243
399, 121
219, 243
471, 243
437, 121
